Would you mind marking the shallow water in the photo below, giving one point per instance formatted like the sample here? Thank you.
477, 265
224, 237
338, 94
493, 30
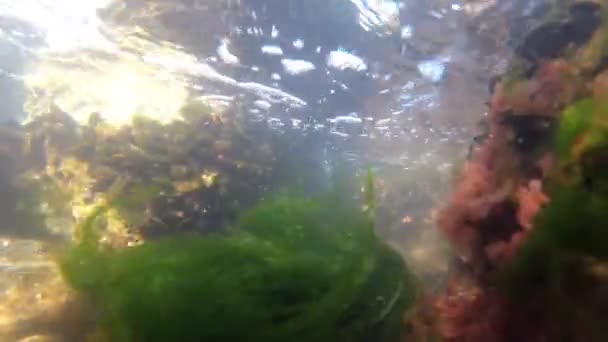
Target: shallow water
395, 86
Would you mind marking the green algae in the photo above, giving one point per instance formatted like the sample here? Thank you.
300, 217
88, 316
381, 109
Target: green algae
575, 120
583, 126
292, 269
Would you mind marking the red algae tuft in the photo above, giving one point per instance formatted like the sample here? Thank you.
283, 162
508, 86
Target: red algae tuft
531, 198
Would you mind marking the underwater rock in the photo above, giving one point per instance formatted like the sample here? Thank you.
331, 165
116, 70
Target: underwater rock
550, 40
203, 160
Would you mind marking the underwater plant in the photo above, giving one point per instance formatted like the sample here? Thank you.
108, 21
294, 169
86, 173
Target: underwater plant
291, 269
529, 215
565, 257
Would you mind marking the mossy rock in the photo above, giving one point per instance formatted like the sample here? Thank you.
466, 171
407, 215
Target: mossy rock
554, 269
576, 219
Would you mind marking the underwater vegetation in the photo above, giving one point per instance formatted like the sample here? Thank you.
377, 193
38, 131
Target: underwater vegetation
527, 220
528, 217
565, 258
291, 269
182, 184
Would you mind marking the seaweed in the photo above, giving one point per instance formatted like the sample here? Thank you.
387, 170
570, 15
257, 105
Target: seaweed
576, 217
552, 268
574, 121
541, 274
291, 269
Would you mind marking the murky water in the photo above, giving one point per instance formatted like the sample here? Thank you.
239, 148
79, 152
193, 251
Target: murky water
397, 86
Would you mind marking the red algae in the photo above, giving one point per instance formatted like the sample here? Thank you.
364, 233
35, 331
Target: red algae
467, 206
553, 86
470, 312
530, 198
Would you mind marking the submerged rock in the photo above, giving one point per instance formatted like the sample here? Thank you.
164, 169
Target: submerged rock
551, 39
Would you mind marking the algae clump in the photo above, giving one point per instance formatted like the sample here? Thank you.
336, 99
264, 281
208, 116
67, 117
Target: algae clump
575, 222
291, 269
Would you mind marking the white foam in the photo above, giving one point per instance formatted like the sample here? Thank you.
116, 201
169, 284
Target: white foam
297, 66
342, 60
298, 44
432, 69
272, 50
346, 119
225, 55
